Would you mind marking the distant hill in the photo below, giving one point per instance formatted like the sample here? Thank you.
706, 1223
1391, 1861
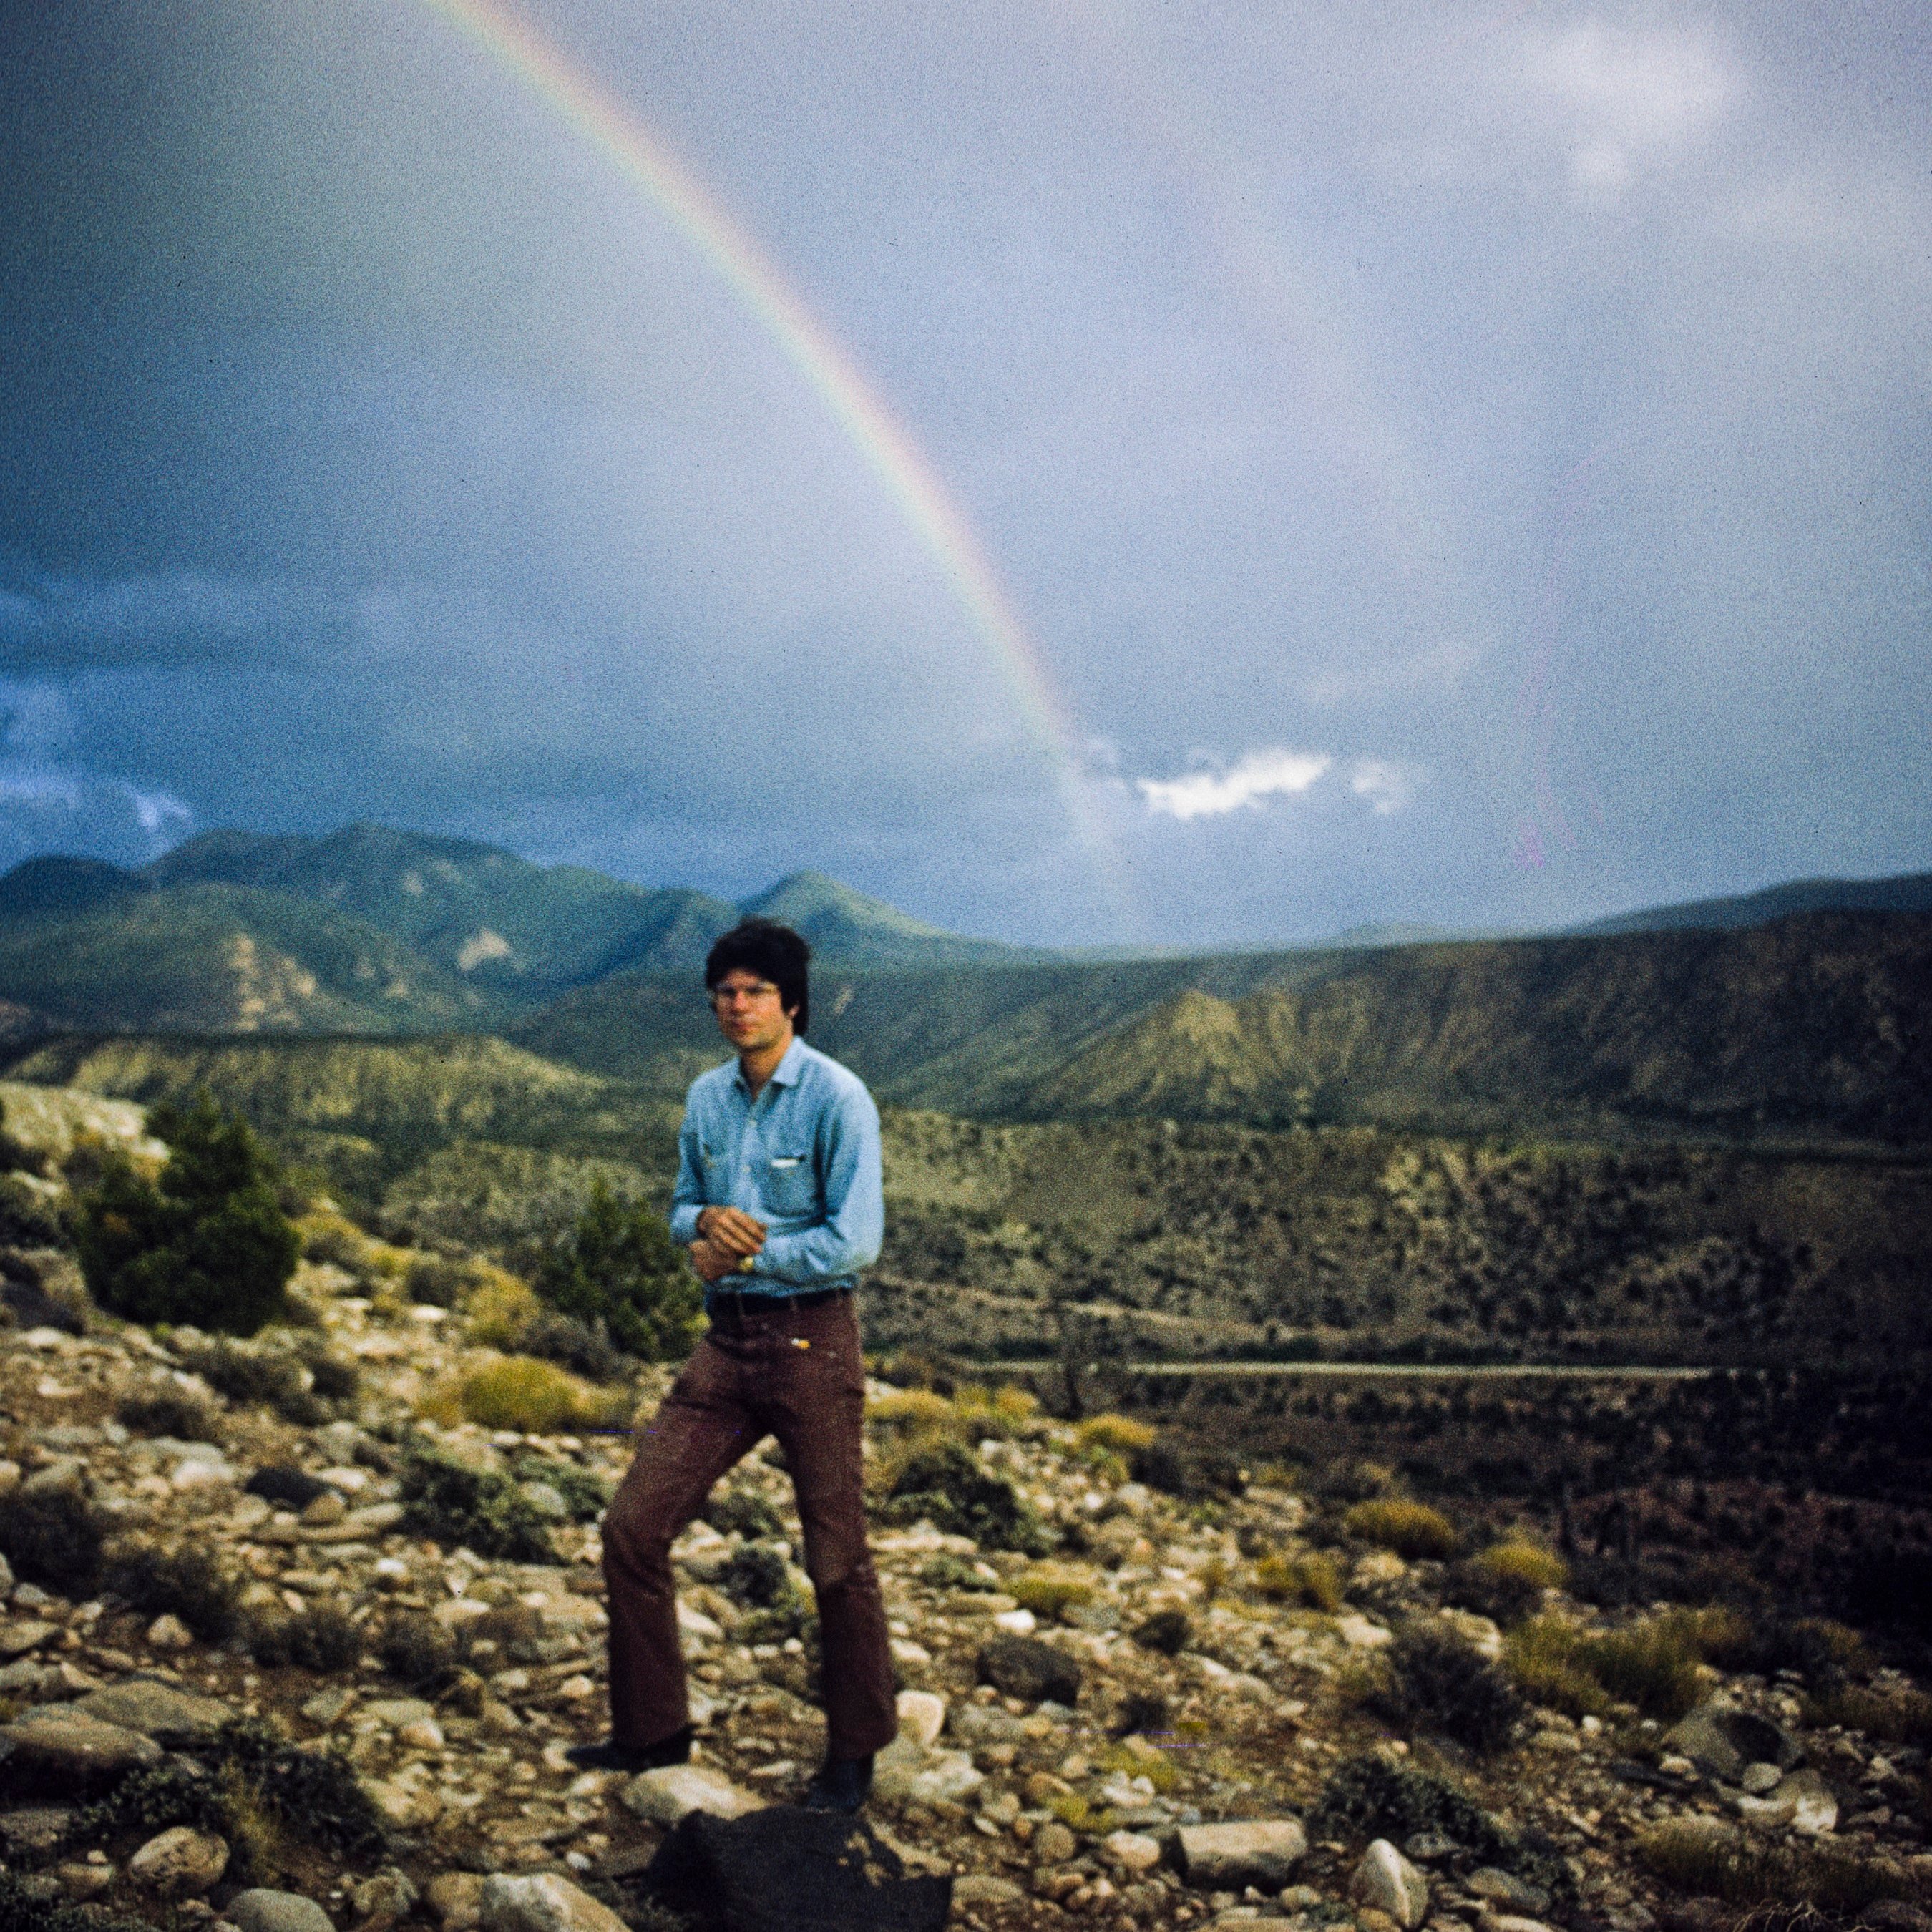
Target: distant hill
536, 930
1910, 891
223, 959
1821, 1023
58, 884
471, 909
850, 928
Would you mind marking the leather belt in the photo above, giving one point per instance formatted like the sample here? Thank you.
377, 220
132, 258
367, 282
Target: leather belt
724, 1301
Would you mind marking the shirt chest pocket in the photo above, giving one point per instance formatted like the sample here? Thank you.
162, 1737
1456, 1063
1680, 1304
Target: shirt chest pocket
790, 1186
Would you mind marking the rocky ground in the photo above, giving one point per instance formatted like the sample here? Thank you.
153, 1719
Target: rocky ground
1142, 1726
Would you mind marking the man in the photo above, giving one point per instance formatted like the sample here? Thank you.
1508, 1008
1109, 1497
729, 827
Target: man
779, 1199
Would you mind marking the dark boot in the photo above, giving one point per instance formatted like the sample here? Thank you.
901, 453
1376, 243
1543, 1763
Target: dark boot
842, 1784
611, 1756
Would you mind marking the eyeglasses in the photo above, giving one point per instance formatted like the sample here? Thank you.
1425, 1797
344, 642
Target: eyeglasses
752, 996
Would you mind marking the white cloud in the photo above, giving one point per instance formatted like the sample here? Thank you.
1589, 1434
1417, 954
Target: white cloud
1211, 795
1622, 97
1387, 787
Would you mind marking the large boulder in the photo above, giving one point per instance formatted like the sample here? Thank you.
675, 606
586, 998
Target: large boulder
47, 1756
263, 1910
1025, 1668
543, 1903
1722, 1740
1385, 1881
1227, 1858
157, 1710
663, 1796
181, 1863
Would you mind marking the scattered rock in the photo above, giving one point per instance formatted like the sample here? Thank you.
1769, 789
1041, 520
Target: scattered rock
922, 1716
985, 1888
69, 1756
1505, 1889
262, 1910
181, 1863
167, 1632
455, 1900
1132, 1851
1226, 1858
82, 1882
904, 1772
170, 1717
1722, 1740
543, 1903
1026, 1668
1385, 1881
663, 1797
1814, 1804
1054, 1844
381, 1901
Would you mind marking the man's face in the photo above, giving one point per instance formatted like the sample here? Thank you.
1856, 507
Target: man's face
751, 1014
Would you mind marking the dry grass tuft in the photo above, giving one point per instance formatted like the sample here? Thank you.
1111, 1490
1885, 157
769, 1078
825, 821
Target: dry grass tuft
1114, 1435
1709, 1860
915, 1413
522, 1393
1901, 1716
1412, 1529
1046, 1594
1541, 1659
1517, 1560
499, 1308
1312, 1579
1655, 1664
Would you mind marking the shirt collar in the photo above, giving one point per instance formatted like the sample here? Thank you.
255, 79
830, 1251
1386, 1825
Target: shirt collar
786, 1072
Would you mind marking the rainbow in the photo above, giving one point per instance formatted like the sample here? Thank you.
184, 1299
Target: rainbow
884, 445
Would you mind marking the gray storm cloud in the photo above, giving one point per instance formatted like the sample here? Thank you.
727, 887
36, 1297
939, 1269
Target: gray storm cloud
1464, 464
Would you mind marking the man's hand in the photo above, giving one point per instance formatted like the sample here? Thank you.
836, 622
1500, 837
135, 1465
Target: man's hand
737, 1233
713, 1263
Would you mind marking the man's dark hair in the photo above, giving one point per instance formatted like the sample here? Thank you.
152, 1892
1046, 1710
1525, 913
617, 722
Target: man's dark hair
771, 951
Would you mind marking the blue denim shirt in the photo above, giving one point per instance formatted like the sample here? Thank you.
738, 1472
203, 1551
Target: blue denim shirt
803, 1157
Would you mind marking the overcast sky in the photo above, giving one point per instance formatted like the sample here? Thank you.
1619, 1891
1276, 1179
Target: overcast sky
1454, 464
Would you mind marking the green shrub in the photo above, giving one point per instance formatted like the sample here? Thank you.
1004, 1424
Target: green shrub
943, 1481
24, 1907
432, 1281
415, 1649
456, 1505
51, 1535
1410, 1529
208, 1244
163, 1410
1178, 1466
586, 1496
742, 1510
620, 1267
256, 1377
249, 1786
322, 1640
1312, 1579
1653, 1664
188, 1582
1369, 1797
1430, 1680
582, 1347
948, 1572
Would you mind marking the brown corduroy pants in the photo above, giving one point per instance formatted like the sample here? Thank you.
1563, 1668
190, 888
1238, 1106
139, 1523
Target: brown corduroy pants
795, 1374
